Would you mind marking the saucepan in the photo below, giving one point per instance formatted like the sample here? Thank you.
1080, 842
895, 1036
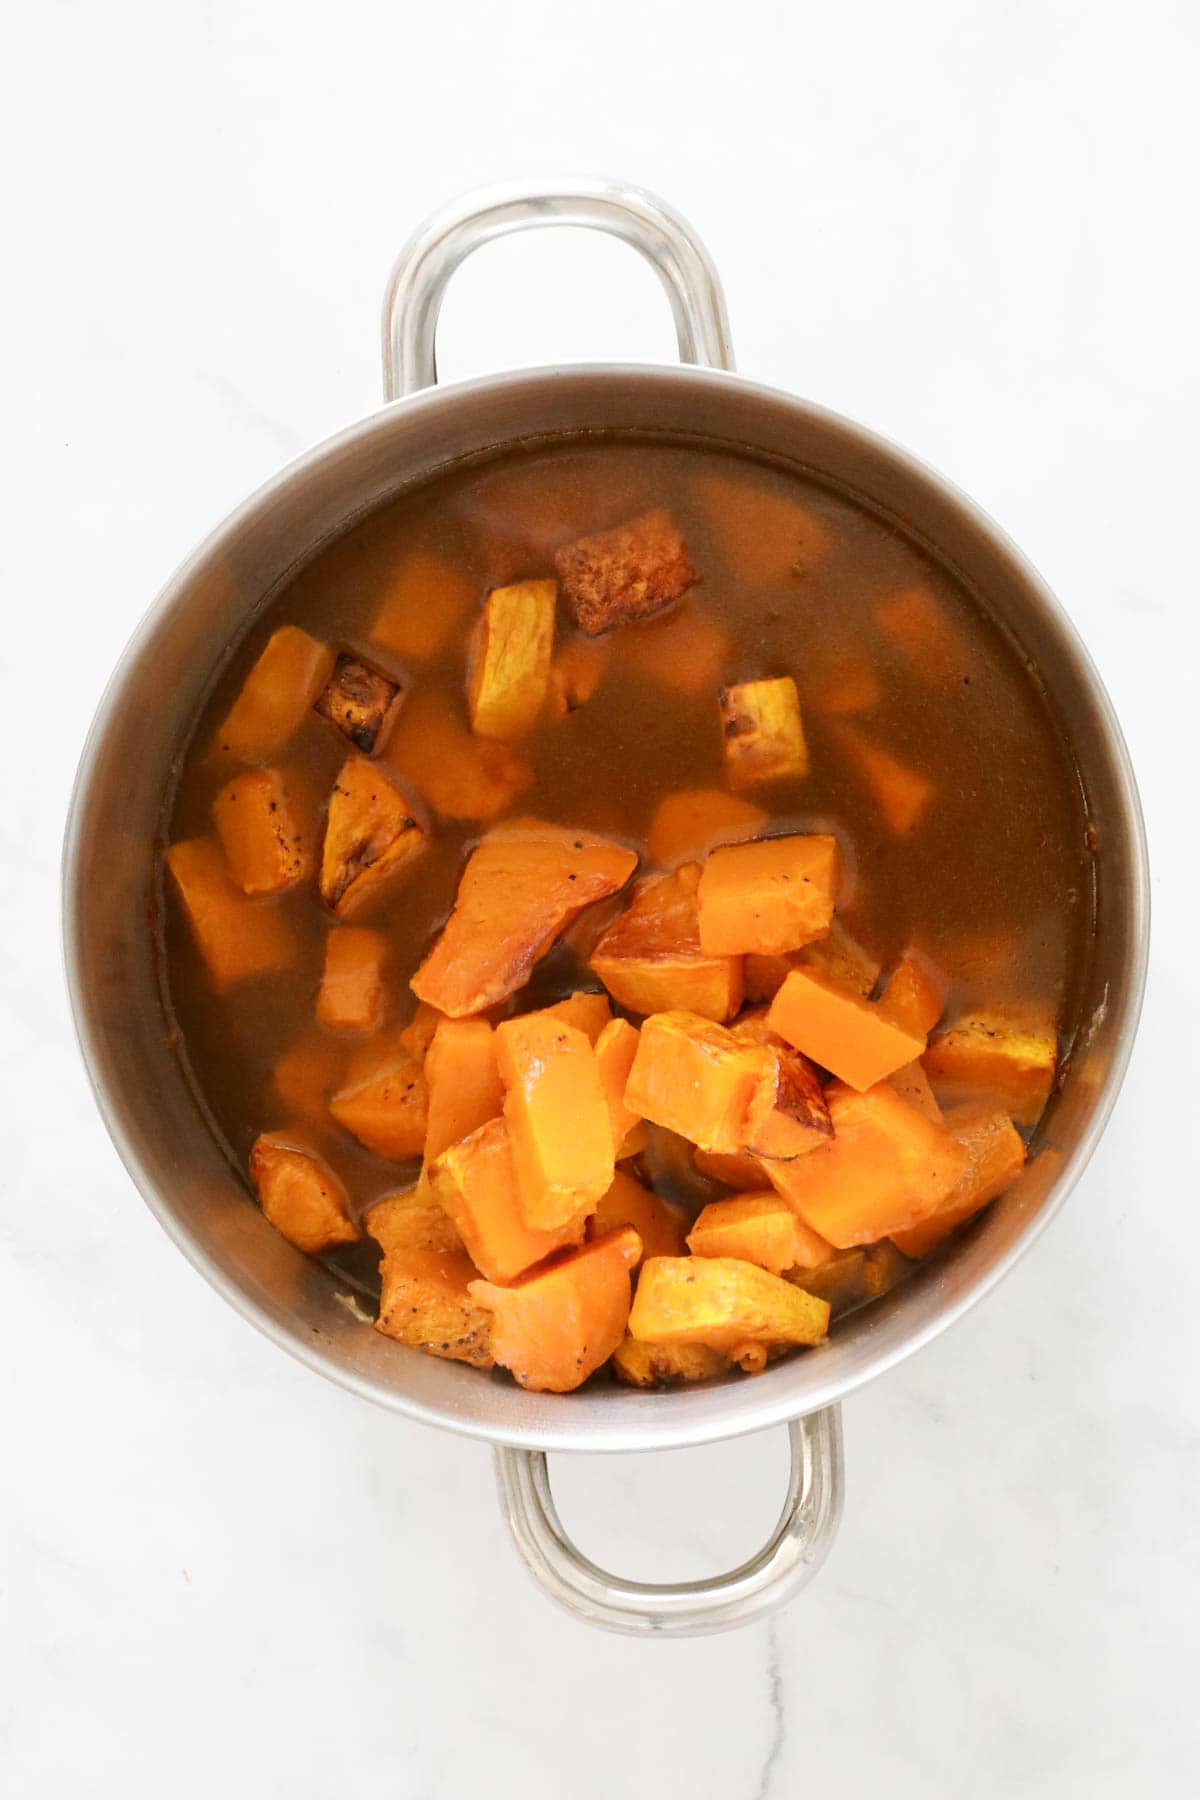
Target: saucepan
112, 894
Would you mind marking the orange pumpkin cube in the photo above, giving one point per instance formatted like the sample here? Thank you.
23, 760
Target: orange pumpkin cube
695, 1078
687, 825
239, 938
661, 1227
886, 1169
265, 843
277, 695
845, 1034
425, 1301
351, 994
759, 1228
463, 1079
996, 1156
650, 958
913, 998
300, 1194
768, 897
523, 884
475, 1181
1009, 1062
557, 1116
556, 1327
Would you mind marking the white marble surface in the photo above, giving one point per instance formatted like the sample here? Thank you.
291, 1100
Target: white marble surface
968, 225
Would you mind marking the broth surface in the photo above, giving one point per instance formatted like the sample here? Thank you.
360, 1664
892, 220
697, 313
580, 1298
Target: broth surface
994, 882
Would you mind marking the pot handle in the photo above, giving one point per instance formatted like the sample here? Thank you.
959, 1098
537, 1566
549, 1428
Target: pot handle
418, 281
786, 1563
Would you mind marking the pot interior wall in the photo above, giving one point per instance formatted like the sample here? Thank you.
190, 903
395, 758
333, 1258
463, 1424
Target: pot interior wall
151, 1110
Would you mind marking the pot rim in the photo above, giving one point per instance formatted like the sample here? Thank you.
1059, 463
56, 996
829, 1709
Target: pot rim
763, 1402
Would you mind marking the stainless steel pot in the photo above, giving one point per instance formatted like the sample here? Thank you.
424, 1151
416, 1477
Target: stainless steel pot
110, 895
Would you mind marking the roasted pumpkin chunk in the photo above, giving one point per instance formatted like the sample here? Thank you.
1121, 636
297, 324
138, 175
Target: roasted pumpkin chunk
628, 573
425, 600
902, 794
917, 624
475, 1181
687, 825
463, 1079
759, 1228
385, 1104
852, 1278
735, 1169
722, 1302
990, 1056
371, 835
763, 733
842, 1032
650, 958
307, 1074
588, 1012
411, 1220
663, 1365
912, 1084
520, 887
996, 1156
300, 1194
556, 1327
261, 833
768, 897
510, 660
887, 1168
837, 957
458, 775
362, 702
239, 938
766, 538
557, 1116
425, 1301
695, 1078
616, 1048
351, 995
661, 1226
277, 694
786, 1115
913, 996
687, 650
575, 674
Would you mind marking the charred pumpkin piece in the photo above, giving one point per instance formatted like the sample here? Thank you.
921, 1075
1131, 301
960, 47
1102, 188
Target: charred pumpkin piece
371, 834
763, 733
362, 702
510, 660
425, 1302
628, 573
650, 958
523, 884
300, 1194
